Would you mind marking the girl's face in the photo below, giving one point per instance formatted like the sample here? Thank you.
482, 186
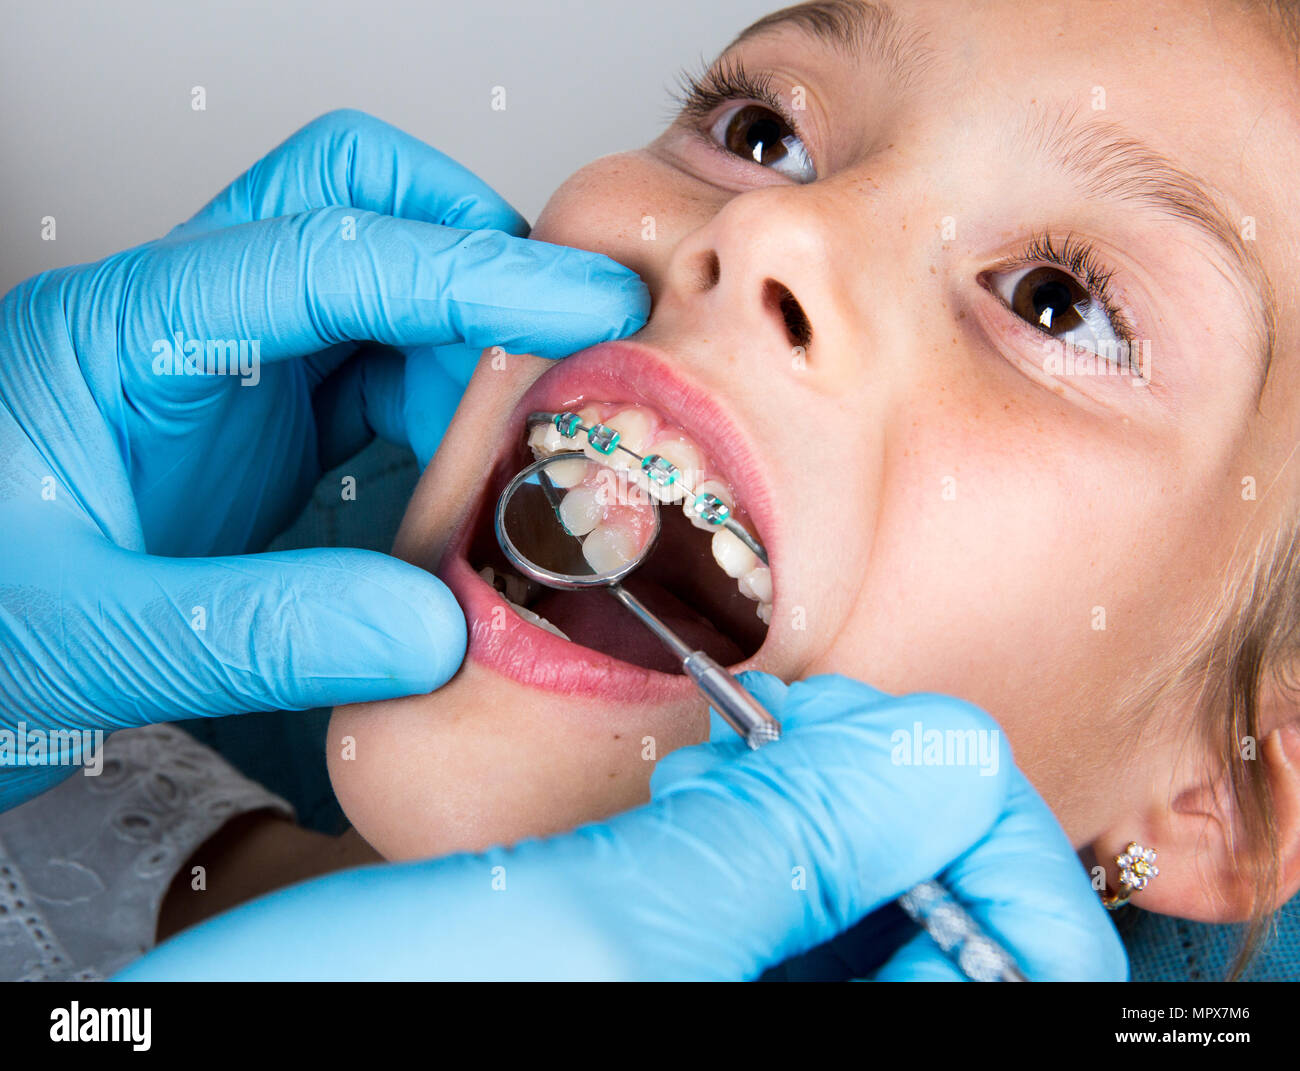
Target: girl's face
951, 499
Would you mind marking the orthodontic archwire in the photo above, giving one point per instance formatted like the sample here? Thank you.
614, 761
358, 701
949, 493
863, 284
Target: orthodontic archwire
658, 470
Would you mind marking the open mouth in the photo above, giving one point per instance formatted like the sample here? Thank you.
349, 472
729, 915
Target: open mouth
702, 581
699, 579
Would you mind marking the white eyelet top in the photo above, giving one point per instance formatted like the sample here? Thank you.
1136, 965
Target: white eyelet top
85, 866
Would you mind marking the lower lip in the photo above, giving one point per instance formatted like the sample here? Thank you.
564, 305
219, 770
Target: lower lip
532, 656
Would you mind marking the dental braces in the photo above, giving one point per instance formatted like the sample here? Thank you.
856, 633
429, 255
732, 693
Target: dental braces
658, 470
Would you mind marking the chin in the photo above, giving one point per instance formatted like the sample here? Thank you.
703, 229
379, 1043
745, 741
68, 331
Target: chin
564, 703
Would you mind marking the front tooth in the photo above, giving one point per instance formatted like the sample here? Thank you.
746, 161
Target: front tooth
764, 612
686, 458
580, 512
708, 487
567, 473
609, 547
731, 553
757, 584
634, 427
591, 419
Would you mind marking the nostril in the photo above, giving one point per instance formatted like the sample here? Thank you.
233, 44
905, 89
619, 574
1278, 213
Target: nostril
778, 297
708, 271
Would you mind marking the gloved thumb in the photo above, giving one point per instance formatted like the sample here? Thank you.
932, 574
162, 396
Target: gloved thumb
160, 639
802, 703
724, 744
769, 690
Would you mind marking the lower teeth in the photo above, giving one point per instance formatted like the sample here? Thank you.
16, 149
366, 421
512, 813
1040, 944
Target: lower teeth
536, 619
507, 585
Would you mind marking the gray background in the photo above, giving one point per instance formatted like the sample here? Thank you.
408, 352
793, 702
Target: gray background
96, 127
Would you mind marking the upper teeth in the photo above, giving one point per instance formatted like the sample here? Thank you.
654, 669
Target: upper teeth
643, 432
581, 511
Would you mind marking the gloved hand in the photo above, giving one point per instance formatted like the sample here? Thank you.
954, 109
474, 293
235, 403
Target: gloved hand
118, 470
740, 861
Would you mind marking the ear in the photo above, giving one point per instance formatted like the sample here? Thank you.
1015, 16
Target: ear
1193, 824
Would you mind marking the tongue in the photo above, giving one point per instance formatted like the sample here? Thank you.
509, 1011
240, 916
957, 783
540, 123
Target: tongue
595, 619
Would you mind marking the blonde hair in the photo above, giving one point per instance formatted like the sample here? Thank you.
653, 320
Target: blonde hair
1255, 648
1247, 644
1286, 17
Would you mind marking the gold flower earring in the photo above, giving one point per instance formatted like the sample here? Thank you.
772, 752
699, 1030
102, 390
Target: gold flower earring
1137, 866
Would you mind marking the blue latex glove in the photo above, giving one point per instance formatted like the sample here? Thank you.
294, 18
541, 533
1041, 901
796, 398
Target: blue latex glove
740, 861
116, 476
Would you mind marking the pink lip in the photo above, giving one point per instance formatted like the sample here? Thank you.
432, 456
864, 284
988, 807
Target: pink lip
612, 372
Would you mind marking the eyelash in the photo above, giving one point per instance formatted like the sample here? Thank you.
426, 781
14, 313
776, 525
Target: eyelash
727, 82
1080, 258
699, 96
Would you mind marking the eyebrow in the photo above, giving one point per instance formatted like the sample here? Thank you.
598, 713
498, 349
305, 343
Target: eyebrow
858, 29
1108, 162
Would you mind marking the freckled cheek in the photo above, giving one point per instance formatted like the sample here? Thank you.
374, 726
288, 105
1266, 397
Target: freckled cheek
624, 206
957, 494
595, 208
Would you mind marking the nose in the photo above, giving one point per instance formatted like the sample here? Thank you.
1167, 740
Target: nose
763, 266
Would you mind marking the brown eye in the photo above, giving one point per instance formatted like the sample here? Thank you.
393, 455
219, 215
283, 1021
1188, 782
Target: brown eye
756, 133
1051, 299
1055, 302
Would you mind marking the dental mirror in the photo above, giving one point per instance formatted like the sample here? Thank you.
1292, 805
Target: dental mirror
553, 536
603, 533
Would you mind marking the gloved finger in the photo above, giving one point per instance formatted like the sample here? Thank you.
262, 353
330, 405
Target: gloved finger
1024, 883
296, 285
127, 639
830, 696
766, 857
363, 398
818, 829
919, 960
349, 158
405, 396
768, 689
804, 703
1024, 886
686, 764
436, 377
724, 742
